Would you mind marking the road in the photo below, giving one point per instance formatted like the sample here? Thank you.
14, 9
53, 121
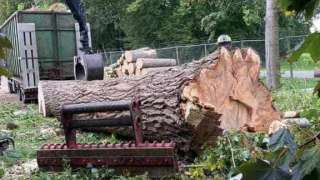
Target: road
296, 74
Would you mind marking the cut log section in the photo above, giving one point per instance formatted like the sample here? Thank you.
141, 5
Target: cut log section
155, 63
191, 104
140, 72
132, 56
131, 69
125, 68
119, 71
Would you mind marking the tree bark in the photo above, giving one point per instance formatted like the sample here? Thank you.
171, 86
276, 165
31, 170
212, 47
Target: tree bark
140, 72
272, 45
191, 104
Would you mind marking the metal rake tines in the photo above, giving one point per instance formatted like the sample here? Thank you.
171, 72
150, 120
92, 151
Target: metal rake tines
154, 144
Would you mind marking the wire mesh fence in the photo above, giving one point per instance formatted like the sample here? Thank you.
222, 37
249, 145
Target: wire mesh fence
188, 53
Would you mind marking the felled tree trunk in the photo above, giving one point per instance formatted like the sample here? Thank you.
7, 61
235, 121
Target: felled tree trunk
191, 104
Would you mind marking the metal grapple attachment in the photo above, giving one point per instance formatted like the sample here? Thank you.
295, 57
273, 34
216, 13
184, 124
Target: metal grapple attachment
138, 157
89, 67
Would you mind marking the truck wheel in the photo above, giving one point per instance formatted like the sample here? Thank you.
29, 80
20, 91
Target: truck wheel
10, 86
15, 87
23, 96
20, 94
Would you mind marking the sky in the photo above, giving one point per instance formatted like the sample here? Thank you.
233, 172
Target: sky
315, 24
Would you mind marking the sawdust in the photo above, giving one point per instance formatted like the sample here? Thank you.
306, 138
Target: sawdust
22, 170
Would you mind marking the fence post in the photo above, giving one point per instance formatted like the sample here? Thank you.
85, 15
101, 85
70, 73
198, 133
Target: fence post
290, 64
241, 43
205, 50
177, 55
110, 57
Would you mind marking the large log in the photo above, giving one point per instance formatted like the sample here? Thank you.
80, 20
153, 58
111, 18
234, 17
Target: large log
191, 104
132, 56
154, 63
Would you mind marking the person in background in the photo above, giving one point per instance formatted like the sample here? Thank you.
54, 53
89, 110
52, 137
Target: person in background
224, 41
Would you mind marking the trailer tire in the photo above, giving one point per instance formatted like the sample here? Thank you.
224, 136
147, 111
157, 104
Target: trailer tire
10, 87
22, 97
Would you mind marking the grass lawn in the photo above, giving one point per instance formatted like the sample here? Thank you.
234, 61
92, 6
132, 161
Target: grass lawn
298, 66
305, 63
32, 132
294, 94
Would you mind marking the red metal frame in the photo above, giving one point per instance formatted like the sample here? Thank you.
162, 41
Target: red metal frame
159, 155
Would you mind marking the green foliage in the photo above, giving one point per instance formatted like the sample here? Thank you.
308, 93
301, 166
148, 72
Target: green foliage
4, 44
126, 24
262, 170
31, 134
309, 163
84, 174
306, 59
277, 165
104, 18
238, 18
304, 63
1, 173
231, 150
156, 22
307, 8
295, 94
310, 45
7, 7
313, 114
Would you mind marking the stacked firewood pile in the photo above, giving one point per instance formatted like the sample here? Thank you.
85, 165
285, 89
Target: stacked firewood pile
138, 62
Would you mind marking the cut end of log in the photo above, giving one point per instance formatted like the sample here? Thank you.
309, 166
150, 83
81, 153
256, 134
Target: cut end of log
232, 89
41, 101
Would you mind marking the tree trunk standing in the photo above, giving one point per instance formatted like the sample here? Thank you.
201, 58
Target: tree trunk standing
190, 104
272, 44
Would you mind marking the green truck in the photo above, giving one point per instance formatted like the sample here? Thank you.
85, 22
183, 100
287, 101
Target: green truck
44, 46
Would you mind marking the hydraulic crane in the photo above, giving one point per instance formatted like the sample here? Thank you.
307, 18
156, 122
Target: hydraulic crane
87, 66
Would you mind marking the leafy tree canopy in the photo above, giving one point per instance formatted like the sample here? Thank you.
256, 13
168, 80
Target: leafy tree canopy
156, 23
307, 8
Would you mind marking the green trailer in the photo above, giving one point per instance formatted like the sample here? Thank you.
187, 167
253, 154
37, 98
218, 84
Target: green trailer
44, 46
